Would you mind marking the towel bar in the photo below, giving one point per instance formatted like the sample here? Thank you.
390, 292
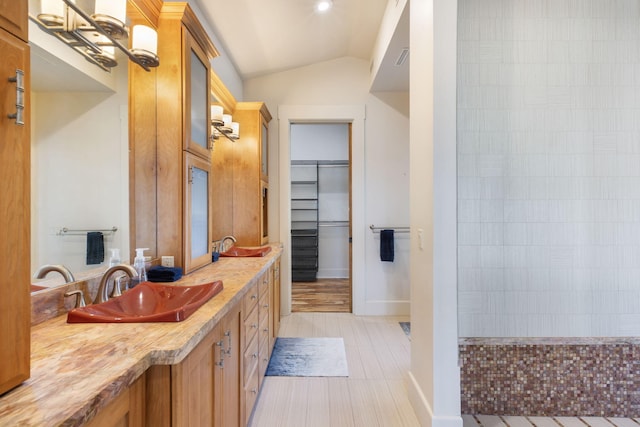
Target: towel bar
396, 229
64, 231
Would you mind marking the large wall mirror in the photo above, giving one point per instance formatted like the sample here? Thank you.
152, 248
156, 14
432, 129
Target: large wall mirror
80, 156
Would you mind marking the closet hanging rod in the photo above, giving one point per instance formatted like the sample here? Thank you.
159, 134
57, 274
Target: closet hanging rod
333, 223
396, 229
333, 165
64, 231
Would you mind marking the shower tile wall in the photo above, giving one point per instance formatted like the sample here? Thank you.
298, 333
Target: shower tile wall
549, 167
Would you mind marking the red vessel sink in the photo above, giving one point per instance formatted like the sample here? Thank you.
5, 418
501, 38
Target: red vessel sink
237, 251
148, 302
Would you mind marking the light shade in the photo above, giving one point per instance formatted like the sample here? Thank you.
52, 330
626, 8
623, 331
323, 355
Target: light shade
145, 39
114, 8
235, 130
216, 115
52, 11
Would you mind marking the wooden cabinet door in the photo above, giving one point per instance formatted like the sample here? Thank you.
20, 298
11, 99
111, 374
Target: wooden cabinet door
227, 393
192, 386
127, 410
196, 100
197, 224
13, 17
14, 215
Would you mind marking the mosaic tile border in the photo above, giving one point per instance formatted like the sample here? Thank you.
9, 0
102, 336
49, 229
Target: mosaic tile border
591, 379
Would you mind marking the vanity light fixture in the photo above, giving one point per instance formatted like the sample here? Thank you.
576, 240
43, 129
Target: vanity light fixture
323, 5
223, 124
96, 36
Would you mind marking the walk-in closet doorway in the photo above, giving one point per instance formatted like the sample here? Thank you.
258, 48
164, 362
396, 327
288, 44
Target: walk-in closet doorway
320, 171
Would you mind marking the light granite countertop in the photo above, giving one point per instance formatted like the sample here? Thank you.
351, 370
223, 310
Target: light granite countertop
77, 369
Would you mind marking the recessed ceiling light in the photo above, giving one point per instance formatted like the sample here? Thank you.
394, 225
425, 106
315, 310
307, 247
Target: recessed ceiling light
323, 5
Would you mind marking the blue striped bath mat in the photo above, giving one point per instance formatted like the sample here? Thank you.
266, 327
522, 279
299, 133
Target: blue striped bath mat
308, 357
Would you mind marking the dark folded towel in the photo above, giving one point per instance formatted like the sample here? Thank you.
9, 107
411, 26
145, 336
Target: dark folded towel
386, 245
95, 247
164, 274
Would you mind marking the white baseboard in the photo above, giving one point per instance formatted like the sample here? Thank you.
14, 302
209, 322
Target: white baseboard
423, 410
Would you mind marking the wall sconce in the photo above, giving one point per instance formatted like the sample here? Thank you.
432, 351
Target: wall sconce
96, 36
222, 124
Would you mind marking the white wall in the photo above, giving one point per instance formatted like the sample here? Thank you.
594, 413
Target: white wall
434, 379
79, 172
549, 168
385, 180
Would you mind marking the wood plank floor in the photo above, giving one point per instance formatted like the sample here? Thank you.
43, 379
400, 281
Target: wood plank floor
323, 295
374, 394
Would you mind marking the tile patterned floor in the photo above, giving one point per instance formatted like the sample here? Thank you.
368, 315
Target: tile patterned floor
511, 421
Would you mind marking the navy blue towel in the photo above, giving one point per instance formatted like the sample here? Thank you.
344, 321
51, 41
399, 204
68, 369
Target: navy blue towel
164, 274
386, 245
95, 247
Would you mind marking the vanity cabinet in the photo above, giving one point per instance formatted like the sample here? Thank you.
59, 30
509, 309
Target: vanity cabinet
15, 194
204, 389
182, 152
242, 206
259, 336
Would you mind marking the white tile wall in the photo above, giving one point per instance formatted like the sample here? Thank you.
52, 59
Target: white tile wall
549, 167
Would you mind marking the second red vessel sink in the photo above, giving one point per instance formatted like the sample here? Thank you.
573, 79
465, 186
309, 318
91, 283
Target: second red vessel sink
148, 302
237, 251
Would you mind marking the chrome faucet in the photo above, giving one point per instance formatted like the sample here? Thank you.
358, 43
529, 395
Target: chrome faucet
103, 289
42, 271
223, 248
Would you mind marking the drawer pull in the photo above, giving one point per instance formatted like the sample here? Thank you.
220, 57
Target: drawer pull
254, 355
254, 296
18, 116
254, 391
254, 326
228, 335
220, 363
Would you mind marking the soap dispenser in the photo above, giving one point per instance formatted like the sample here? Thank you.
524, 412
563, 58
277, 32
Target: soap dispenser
115, 257
139, 265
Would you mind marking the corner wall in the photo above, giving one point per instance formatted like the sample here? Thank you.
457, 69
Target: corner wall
434, 387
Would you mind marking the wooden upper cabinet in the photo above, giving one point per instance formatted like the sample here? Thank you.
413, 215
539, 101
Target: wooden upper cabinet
183, 129
15, 280
249, 170
197, 129
13, 17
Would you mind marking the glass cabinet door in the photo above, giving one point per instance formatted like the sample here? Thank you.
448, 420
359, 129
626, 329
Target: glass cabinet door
198, 214
197, 103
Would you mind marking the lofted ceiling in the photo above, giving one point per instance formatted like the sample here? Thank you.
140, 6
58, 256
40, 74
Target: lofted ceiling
266, 36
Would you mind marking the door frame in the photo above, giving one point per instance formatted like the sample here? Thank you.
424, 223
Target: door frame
355, 115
